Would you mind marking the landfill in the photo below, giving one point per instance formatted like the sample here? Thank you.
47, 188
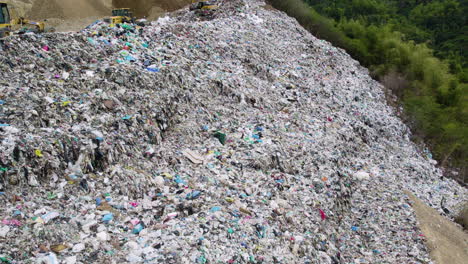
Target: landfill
238, 138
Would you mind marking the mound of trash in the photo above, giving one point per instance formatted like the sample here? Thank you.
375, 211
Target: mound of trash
237, 139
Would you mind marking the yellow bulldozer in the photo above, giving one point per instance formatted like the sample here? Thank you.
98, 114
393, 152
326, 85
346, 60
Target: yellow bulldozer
119, 16
11, 23
204, 7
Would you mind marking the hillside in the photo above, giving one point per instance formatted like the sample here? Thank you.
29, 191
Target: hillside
237, 139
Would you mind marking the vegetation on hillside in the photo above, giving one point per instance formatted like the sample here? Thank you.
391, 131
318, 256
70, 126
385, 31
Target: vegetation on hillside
416, 48
442, 24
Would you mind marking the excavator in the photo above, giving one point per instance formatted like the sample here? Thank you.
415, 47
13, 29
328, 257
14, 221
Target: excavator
204, 7
119, 16
10, 23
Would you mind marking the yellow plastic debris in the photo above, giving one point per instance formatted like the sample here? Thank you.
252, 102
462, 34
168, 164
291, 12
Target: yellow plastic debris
167, 175
38, 153
58, 248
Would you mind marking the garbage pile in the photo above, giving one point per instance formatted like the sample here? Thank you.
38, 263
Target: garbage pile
241, 139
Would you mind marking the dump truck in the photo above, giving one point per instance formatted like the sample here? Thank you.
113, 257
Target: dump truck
11, 23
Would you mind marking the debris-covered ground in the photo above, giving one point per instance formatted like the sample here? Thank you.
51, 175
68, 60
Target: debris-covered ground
241, 139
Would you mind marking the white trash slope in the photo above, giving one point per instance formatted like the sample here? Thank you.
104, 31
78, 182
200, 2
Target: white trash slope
111, 155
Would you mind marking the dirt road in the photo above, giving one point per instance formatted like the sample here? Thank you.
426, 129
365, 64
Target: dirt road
447, 242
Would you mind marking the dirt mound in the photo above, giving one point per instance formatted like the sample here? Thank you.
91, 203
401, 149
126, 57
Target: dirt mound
148, 8
72, 15
45, 9
79, 9
19, 7
68, 9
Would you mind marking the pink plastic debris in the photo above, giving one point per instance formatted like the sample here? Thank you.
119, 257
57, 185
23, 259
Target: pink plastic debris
134, 222
322, 214
11, 222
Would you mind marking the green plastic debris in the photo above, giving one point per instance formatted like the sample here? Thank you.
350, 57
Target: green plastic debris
126, 26
5, 260
221, 137
202, 259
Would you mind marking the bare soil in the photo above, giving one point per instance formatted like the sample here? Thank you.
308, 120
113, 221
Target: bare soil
73, 15
147, 8
447, 242
68, 9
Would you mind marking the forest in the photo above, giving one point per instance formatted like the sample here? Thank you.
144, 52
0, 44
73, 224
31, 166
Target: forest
417, 49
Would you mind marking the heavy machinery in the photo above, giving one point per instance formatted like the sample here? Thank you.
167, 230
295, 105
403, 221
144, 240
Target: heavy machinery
10, 23
119, 16
204, 7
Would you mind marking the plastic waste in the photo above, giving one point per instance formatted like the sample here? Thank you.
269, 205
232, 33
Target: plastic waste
230, 139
